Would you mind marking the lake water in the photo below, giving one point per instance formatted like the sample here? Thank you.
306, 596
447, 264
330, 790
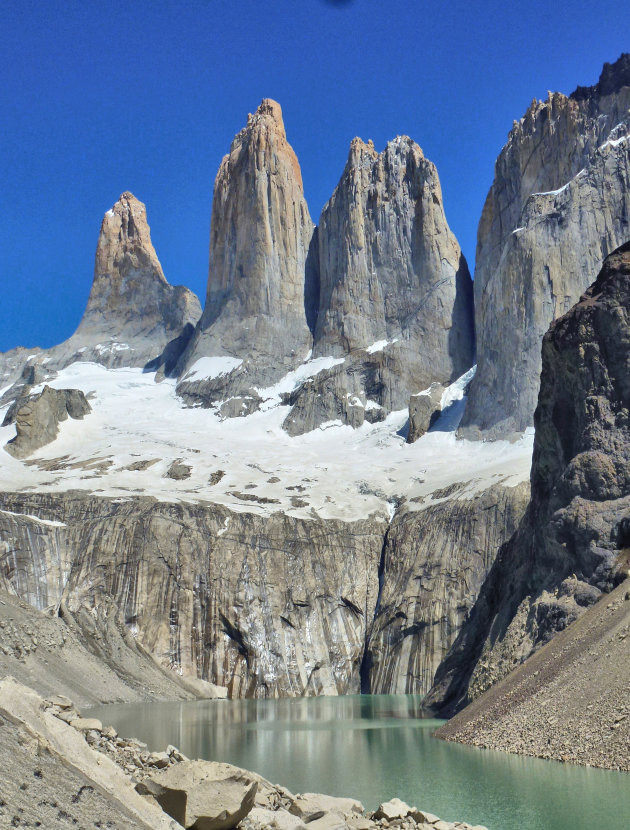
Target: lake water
375, 747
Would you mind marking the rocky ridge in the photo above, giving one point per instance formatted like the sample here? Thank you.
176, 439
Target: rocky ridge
572, 542
559, 204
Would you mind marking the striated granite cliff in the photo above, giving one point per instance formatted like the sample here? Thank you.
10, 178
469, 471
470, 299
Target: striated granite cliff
559, 203
268, 606
435, 561
573, 541
260, 271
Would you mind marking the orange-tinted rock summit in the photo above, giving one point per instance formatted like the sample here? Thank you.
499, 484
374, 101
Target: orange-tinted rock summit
260, 236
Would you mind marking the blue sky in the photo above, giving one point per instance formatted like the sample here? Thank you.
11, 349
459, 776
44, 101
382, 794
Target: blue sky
98, 98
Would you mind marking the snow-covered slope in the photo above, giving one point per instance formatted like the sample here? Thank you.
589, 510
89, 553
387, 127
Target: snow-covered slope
138, 428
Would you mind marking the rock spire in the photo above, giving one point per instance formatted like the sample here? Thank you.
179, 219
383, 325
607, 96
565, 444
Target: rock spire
259, 270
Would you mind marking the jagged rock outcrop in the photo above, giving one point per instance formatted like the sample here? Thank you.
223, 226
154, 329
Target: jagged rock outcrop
435, 561
132, 314
37, 418
559, 203
260, 269
395, 292
573, 541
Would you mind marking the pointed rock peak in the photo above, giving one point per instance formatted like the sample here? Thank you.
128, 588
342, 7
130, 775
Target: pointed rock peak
125, 240
130, 301
268, 109
264, 140
362, 153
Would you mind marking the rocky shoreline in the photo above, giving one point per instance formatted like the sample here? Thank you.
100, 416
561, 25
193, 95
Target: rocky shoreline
102, 780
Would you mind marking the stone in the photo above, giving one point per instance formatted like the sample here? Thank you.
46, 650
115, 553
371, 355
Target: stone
275, 819
178, 471
424, 410
37, 418
203, 794
86, 724
556, 209
260, 265
392, 810
159, 760
570, 544
61, 701
309, 804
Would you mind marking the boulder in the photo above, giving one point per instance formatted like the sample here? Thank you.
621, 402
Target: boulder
424, 410
393, 809
86, 724
265, 819
37, 418
203, 795
308, 805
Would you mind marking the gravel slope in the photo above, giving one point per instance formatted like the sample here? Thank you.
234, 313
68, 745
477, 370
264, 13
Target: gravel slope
570, 701
87, 658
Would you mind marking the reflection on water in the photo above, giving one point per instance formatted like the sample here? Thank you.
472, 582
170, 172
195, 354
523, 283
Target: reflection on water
374, 747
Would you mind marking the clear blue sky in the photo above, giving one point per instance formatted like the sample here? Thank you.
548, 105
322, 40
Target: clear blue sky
146, 95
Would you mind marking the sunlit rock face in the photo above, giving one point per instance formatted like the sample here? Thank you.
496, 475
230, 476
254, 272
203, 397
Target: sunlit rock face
260, 270
573, 542
559, 204
395, 295
132, 312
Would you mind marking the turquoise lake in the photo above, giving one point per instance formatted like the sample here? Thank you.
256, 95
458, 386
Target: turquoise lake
375, 747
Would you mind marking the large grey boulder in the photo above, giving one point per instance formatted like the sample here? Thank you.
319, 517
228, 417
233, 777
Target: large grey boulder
572, 542
37, 418
259, 270
424, 410
558, 205
203, 795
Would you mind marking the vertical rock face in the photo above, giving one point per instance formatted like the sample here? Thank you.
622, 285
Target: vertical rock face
269, 606
559, 203
131, 307
436, 560
390, 269
575, 536
260, 270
